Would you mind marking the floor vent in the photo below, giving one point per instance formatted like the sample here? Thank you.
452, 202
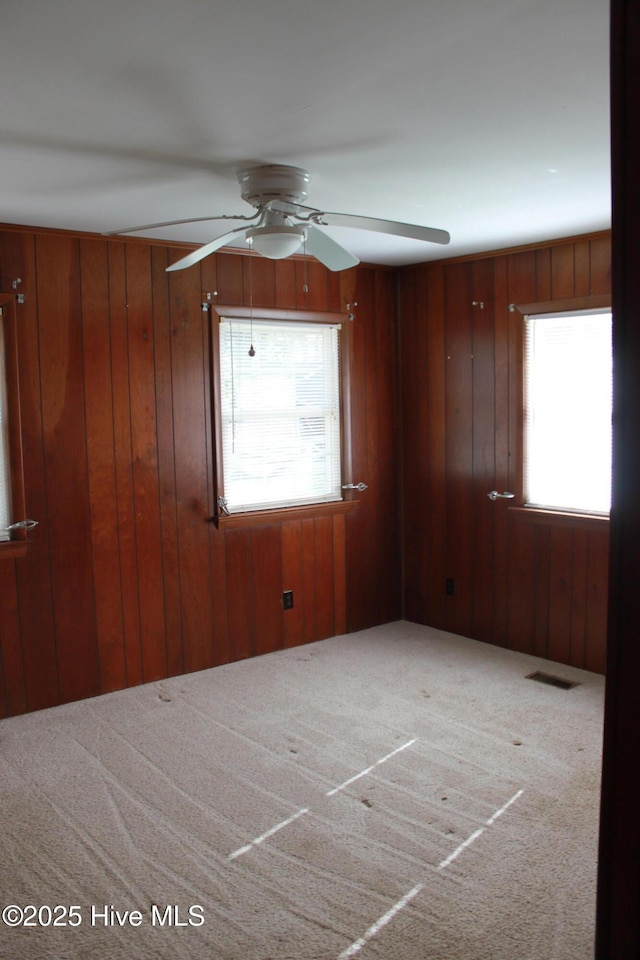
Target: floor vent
551, 680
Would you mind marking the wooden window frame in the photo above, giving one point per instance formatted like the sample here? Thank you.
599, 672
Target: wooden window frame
280, 514
519, 510
18, 545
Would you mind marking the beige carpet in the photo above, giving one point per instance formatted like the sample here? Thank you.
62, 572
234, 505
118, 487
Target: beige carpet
395, 794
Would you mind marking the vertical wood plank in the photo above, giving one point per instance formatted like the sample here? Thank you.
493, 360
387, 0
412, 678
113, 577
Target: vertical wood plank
483, 452
259, 280
324, 570
459, 444
238, 557
368, 306
358, 565
334, 302
597, 594
64, 436
230, 285
372, 506
560, 579
123, 466
582, 260
520, 587
309, 580
388, 569
541, 573
339, 575
312, 275
101, 463
144, 451
504, 474
190, 396
220, 620
412, 347
600, 265
578, 597
266, 588
292, 579
433, 472
523, 276
285, 284
543, 274
166, 461
13, 698
562, 271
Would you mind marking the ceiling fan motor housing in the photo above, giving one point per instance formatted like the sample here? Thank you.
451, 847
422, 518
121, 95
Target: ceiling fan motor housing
262, 184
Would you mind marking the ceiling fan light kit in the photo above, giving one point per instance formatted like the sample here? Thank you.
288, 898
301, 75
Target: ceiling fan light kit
276, 243
282, 222
277, 238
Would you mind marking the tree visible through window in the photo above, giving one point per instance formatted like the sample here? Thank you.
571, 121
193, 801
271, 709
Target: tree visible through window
568, 403
279, 413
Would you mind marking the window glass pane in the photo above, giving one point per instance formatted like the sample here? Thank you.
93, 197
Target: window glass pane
280, 414
568, 402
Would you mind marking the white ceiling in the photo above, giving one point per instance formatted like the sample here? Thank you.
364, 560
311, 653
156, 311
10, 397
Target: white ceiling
488, 118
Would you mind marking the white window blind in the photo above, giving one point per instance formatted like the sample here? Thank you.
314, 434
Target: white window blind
280, 413
5, 476
568, 404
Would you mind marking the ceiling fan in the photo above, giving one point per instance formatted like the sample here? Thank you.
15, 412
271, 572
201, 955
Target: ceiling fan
282, 223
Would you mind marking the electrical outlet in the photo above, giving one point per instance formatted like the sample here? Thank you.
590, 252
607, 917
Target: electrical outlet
450, 587
287, 599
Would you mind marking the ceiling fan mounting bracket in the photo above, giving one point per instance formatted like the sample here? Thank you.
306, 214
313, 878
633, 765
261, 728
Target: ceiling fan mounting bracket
262, 184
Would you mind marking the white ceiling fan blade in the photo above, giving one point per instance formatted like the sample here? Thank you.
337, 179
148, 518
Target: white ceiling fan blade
197, 255
327, 251
397, 229
176, 223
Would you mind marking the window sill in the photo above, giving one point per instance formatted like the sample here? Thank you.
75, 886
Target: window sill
556, 518
256, 518
12, 549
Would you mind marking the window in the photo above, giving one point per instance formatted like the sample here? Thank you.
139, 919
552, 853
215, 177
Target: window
568, 373
13, 526
279, 418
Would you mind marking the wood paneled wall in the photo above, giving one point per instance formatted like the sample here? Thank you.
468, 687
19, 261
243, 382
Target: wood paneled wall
126, 581
537, 588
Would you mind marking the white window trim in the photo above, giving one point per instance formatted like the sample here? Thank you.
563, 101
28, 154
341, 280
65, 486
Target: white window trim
270, 514
517, 508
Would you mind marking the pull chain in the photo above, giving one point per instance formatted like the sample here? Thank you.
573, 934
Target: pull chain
252, 351
305, 285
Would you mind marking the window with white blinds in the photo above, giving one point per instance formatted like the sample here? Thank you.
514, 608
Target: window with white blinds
5, 474
568, 372
280, 413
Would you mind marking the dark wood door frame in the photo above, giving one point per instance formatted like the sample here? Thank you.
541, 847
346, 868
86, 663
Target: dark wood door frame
618, 902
